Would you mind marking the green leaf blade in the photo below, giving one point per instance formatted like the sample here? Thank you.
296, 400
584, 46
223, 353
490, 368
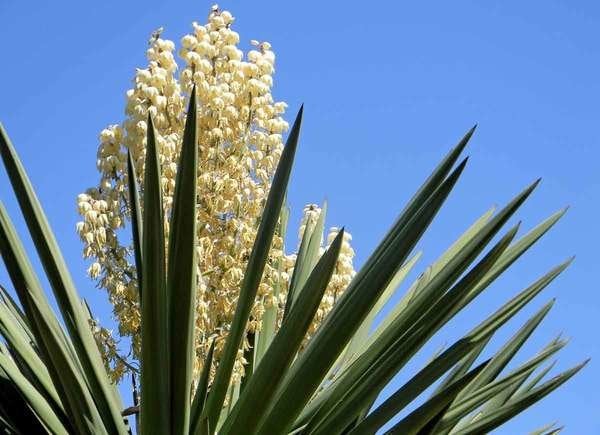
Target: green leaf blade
181, 281
253, 273
262, 385
155, 369
63, 287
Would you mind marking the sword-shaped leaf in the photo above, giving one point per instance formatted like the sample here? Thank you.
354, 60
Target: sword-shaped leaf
263, 338
181, 277
201, 390
413, 388
515, 406
369, 375
253, 274
136, 219
254, 400
61, 360
422, 416
33, 397
350, 310
64, 290
308, 255
155, 353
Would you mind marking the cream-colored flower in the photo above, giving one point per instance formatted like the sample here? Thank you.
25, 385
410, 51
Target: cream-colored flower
240, 128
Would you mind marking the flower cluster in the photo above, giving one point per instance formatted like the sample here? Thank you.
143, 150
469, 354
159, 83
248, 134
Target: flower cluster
240, 129
115, 364
341, 277
342, 273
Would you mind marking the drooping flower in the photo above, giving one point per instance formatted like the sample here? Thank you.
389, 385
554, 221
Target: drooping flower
240, 128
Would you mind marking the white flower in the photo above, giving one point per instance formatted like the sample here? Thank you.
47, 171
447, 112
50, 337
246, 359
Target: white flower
239, 130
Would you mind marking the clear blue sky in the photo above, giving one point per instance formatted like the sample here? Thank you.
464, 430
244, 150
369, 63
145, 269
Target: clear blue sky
388, 88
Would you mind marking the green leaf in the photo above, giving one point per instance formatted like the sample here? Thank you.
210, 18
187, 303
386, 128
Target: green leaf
299, 264
308, 256
136, 219
462, 241
357, 344
475, 399
555, 431
422, 416
434, 180
413, 388
64, 290
37, 402
525, 242
201, 391
464, 365
155, 352
534, 381
425, 277
350, 310
17, 312
511, 307
16, 416
483, 330
429, 427
266, 378
181, 281
514, 252
424, 301
263, 338
253, 274
17, 339
369, 374
451, 253
507, 352
472, 249
360, 338
472, 400
548, 429
517, 405
57, 351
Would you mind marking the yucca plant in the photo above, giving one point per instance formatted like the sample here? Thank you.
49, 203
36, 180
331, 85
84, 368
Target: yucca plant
54, 381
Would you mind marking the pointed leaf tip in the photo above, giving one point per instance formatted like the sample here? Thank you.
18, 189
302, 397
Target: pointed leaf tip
463, 163
466, 138
299, 114
533, 185
514, 230
569, 261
